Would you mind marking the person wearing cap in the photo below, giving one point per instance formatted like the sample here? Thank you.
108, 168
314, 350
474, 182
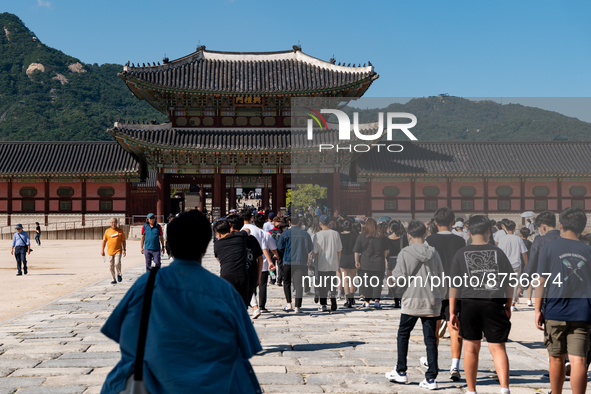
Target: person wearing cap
21, 247
327, 252
268, 226
150, 245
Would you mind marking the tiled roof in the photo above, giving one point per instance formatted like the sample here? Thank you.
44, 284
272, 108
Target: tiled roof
56, 158
235, 138
260, 72
487, 158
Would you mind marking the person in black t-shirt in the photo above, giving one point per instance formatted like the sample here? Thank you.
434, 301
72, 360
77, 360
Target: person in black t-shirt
254, 262
230, 250
447, 245
37, 233
486, 297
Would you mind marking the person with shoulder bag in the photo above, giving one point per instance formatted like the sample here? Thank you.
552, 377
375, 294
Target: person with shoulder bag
168, 349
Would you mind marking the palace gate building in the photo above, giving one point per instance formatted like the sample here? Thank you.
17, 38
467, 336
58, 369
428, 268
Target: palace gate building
230, 127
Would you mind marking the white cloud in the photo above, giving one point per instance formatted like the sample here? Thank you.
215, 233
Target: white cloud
41, 3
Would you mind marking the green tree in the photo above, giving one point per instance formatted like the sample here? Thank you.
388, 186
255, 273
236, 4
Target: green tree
305, 194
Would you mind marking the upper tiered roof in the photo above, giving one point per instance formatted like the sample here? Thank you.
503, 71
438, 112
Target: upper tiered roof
284, 72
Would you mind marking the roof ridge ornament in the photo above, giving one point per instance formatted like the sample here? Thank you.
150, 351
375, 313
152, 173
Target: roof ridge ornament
200, 48
297, 48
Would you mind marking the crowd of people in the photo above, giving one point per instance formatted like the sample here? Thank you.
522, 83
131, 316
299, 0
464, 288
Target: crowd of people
360, 261
338, 258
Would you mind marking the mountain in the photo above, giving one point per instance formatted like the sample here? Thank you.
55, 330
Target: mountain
446, 118
46, 95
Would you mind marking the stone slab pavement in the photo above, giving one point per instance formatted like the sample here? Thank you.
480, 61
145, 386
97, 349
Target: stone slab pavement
58, 348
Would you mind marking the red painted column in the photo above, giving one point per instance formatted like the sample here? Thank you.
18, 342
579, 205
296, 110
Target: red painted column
166, 209
368, 199
223, 191
217, 192
201, 198
336, 191
46, 209
412, 197
522, 198
280, 192
274, 206
159, 194
9, 202
559, 193
232, 197
128, 202
83, 202
265, 197
486, 210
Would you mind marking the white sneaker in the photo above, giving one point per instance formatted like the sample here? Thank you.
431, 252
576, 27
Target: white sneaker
428, 384
424, 362
366, 304
513, 308
256, 313
529, 303
288, 308
397, 377
322, 308
298, 310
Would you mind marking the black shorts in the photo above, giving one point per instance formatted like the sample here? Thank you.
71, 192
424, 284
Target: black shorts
445, 309
486, 316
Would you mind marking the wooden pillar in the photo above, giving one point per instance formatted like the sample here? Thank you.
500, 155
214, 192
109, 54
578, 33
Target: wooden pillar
559, 193
413, 184
336, 192
159, 194
166, 209
224, 189
274, 206
46, 208
280, 186
128, 202
265, 197
217, 192
9, 202
449, 184
232, 198
486, 209
522, 197
201, 198
368, 199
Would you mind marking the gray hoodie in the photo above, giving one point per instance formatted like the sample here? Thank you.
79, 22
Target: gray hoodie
420, 299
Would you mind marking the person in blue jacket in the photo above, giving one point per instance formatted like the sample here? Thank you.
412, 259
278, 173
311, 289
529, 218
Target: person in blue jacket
199, 336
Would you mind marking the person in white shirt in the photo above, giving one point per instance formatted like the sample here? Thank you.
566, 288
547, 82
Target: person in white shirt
514, 248
268, 247
327, 252
458, 230
268, 226
501, 232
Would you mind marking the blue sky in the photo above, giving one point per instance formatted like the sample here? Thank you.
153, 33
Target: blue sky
419, 48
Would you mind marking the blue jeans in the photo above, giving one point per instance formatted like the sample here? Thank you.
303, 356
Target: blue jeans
149, 255
38, 239
20, 253
407, 323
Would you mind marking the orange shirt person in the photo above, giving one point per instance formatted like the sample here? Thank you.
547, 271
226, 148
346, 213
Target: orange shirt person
114, 239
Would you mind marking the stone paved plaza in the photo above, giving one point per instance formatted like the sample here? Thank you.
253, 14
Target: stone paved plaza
58, 348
